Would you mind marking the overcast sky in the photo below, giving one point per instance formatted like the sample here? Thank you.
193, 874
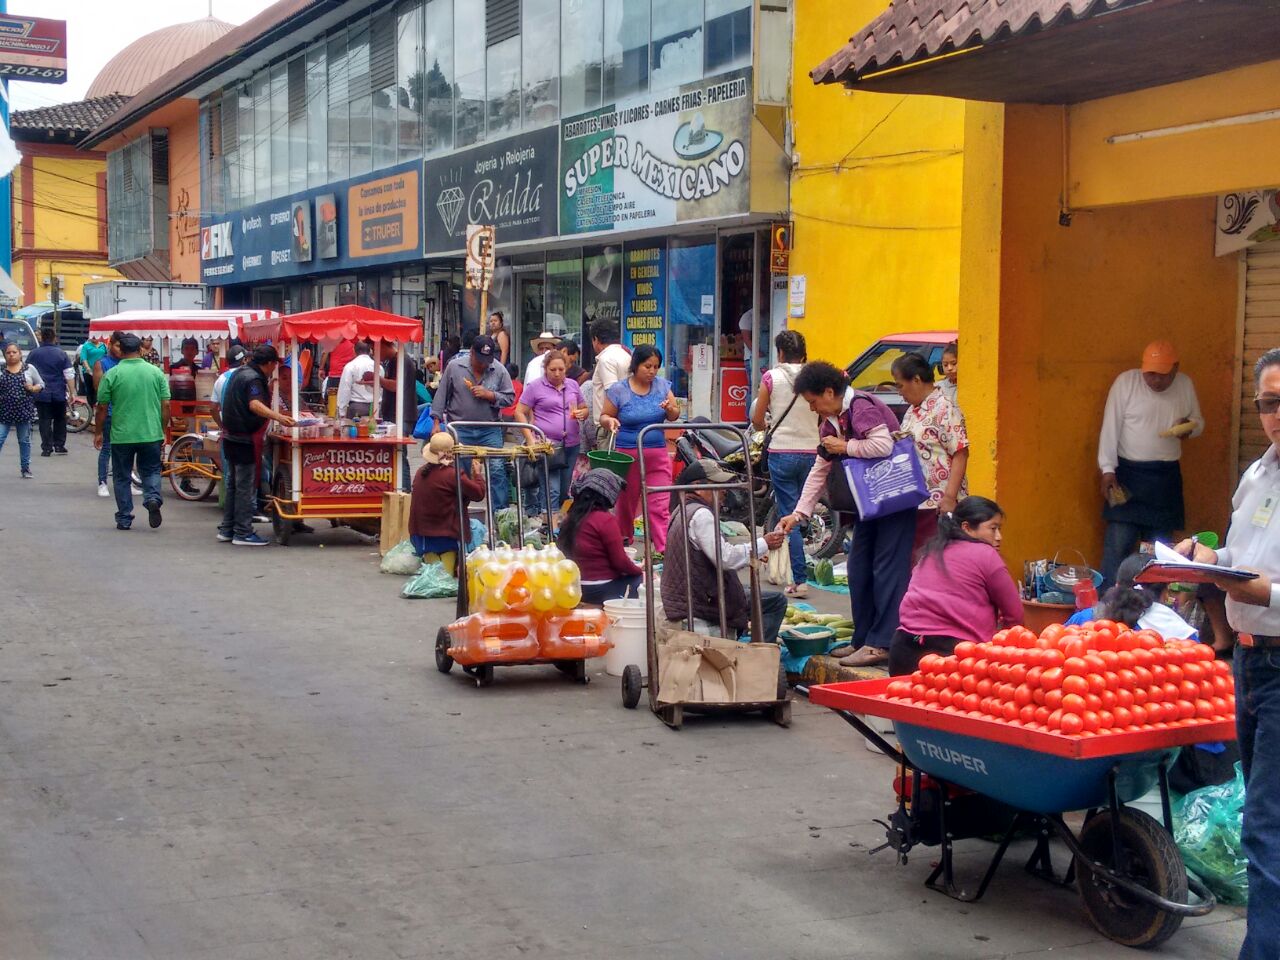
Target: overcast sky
99, 29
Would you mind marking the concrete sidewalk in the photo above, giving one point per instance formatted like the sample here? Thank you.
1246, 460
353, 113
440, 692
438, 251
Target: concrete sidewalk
218, 753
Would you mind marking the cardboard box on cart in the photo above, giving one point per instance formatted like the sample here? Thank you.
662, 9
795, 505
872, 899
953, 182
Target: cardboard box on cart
693, 668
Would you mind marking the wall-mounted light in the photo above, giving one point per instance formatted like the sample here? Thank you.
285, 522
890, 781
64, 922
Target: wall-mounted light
1262, 116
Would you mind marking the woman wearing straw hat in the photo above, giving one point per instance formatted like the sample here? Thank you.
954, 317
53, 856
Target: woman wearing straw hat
628, 406
434, 524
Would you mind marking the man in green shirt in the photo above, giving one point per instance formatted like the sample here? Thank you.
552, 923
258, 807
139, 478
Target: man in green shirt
138, 394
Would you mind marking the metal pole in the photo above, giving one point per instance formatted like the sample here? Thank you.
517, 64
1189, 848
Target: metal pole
295, 453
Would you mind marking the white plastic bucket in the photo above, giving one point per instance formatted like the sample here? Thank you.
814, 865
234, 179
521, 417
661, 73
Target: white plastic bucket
626, 631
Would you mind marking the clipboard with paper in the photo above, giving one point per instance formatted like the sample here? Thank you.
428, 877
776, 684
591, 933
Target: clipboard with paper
1169, 566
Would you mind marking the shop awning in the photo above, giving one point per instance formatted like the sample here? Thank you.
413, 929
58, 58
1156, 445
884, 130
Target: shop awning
203, 325
331, 324
1051, 51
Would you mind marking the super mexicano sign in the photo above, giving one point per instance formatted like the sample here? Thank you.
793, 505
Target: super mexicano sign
676, 157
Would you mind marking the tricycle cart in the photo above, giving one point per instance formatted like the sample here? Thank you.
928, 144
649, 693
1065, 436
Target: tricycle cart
191, 460
537, 455
320, 473
963, 777
633, 682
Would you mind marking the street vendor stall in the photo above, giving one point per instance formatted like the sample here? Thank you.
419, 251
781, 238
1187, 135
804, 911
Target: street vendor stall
329, 468
191, 459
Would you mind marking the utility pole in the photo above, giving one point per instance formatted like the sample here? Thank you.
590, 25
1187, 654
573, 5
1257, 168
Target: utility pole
55, 295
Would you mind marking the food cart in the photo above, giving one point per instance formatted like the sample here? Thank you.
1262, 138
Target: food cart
326, 468
191, 459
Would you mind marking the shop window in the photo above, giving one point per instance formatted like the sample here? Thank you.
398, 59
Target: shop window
361, 116
339, 120
438, 83
602, 286
316, 105
581, 55
469, 57
691, 321
409, 80
540, 62
626, 48
675, 43
297, 82
728, 34
564, 296
279, 96
503, 109
261, 87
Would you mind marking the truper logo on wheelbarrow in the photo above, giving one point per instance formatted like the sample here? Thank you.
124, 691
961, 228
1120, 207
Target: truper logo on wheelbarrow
953, 757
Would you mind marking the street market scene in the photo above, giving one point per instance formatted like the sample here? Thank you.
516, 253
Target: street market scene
733, 479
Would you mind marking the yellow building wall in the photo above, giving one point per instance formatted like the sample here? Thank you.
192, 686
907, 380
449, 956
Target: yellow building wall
1195, 163
66, 199
1077, 304
875, 197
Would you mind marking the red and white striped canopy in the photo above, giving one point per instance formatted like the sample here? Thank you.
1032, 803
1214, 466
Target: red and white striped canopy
203, 325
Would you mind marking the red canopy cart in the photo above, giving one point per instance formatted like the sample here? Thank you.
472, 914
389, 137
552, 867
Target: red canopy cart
331, 469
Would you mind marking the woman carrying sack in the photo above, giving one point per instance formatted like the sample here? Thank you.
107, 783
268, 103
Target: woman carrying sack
554, 404
789, 443
856, 425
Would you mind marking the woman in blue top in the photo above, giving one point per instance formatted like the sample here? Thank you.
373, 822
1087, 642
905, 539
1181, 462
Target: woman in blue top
629, 405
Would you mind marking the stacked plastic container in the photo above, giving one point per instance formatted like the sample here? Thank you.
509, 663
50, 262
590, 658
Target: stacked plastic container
525, 607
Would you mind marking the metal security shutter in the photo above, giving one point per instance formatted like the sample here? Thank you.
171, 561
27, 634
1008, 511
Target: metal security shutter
1261, 333
502, 20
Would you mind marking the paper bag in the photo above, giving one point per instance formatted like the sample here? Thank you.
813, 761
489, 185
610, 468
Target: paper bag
395, 520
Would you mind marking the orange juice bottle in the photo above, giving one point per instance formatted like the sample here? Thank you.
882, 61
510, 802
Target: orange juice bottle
493, 638
573, 635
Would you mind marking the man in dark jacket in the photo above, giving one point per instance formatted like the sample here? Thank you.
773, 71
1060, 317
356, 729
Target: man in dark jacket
245, 411
55, 369
696, 525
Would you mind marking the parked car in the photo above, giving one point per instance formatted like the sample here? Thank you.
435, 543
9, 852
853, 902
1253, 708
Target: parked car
872, 371
19, 332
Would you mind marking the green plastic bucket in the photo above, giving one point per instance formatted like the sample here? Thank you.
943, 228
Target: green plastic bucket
806, 640
614, 462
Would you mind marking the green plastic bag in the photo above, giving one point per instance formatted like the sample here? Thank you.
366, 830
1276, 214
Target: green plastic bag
430, 583
1206, 827
401, 560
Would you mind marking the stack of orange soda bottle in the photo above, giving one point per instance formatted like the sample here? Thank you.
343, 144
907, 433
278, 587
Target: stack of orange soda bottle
525, 605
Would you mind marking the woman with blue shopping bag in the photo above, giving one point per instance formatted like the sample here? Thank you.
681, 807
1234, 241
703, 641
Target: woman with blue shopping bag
868, 476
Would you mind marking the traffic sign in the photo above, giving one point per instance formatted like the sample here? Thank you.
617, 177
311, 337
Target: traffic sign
481, 239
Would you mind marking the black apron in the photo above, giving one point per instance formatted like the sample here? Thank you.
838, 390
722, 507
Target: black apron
1155, 495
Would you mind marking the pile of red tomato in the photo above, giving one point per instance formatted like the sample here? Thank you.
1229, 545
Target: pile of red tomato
1083, 680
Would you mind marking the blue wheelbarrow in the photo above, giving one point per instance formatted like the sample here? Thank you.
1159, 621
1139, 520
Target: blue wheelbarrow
962, 777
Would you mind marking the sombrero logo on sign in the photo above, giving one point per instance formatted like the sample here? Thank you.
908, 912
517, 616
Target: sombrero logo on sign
670, 158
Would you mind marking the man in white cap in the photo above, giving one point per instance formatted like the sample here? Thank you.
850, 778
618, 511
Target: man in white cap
542, 344
1149, 412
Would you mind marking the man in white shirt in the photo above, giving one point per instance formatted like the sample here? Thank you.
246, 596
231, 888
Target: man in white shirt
355, 387
1148, 414
236, 356
612, 360
1253, 610
542, 344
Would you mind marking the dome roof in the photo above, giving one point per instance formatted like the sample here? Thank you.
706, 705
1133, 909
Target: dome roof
154, 55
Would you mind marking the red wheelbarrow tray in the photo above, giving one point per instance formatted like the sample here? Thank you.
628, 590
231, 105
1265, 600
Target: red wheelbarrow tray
868, 697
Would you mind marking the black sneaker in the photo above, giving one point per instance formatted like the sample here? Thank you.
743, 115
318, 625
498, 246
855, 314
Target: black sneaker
60, 451
28, 475
153, 514
46, 453
122, 526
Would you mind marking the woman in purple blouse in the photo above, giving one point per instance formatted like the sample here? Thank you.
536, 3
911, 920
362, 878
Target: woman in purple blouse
554, 405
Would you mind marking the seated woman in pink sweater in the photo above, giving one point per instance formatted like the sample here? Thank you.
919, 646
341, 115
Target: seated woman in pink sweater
960, 589
590, 537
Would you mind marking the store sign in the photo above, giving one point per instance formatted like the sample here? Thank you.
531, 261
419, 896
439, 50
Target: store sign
33, 49
380, 215
735, 391
481, 242
508, 183
348, 468
644, 296
779, 249
1246, 218
658, 160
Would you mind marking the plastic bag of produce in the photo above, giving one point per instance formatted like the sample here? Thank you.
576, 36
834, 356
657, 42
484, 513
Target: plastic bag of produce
430, 583
401, 560
1206, 827
780, 566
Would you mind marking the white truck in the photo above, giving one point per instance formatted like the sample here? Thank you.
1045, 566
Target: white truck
115, 296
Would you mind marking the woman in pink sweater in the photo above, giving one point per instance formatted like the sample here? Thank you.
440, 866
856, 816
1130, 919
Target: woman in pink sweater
960, 589
590, 537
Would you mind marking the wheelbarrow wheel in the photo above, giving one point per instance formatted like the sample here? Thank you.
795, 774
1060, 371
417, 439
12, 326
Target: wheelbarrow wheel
632, 684
1151, 860
484, 674
444, 662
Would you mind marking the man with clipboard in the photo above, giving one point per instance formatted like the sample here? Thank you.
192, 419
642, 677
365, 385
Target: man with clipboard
1253, 610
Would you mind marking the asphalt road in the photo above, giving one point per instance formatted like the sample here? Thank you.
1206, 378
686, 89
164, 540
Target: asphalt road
217, 752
